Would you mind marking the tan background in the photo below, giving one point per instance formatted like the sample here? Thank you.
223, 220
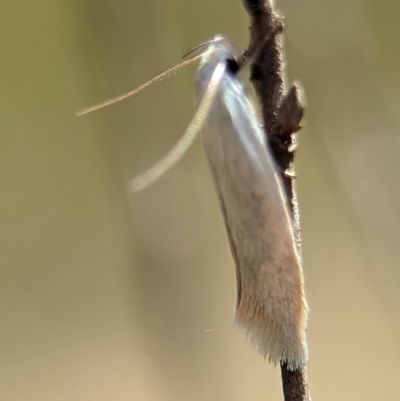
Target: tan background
104, 296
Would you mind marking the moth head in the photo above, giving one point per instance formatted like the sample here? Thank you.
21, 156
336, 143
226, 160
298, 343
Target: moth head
217, 50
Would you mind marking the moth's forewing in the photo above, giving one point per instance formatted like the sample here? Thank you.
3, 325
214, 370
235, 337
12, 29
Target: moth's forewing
271, 308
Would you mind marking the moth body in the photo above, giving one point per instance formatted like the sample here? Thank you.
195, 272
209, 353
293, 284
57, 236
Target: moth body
270, 308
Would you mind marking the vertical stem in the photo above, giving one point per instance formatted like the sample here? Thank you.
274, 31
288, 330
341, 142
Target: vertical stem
281, 114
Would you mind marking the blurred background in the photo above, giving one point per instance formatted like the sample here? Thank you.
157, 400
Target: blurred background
108, 296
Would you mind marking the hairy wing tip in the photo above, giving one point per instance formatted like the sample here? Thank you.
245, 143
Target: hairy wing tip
278, 343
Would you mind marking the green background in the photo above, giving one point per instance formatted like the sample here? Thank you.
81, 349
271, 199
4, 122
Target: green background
108, 296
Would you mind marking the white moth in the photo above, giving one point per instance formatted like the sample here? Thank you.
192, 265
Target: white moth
270, 307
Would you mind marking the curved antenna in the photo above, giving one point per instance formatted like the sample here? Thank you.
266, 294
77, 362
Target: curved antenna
133, 92
198, 47
176, 153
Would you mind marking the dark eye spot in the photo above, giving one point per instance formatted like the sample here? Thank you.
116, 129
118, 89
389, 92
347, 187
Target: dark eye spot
232, 66
252, 4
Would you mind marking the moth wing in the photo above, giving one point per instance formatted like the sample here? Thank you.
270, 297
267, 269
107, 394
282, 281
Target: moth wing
270, 307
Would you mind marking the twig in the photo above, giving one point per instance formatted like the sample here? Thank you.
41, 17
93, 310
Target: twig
281, 115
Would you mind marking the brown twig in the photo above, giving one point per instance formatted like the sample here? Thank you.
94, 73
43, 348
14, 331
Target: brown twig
281, 115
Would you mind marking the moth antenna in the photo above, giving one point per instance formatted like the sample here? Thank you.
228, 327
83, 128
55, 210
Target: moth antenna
176, 153
251, 55
133, 92
198, 47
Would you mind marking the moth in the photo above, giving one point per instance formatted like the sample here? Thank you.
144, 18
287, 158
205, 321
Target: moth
270, 303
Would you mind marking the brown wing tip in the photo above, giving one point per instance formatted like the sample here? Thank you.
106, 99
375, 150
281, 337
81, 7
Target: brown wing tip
275, 341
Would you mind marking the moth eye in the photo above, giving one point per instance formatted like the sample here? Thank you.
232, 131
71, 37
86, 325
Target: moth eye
252, 4
232, 66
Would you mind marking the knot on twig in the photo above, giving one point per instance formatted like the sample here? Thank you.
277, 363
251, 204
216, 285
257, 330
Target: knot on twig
290, 111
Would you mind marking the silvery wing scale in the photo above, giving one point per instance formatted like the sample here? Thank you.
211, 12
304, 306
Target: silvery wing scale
270, 308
